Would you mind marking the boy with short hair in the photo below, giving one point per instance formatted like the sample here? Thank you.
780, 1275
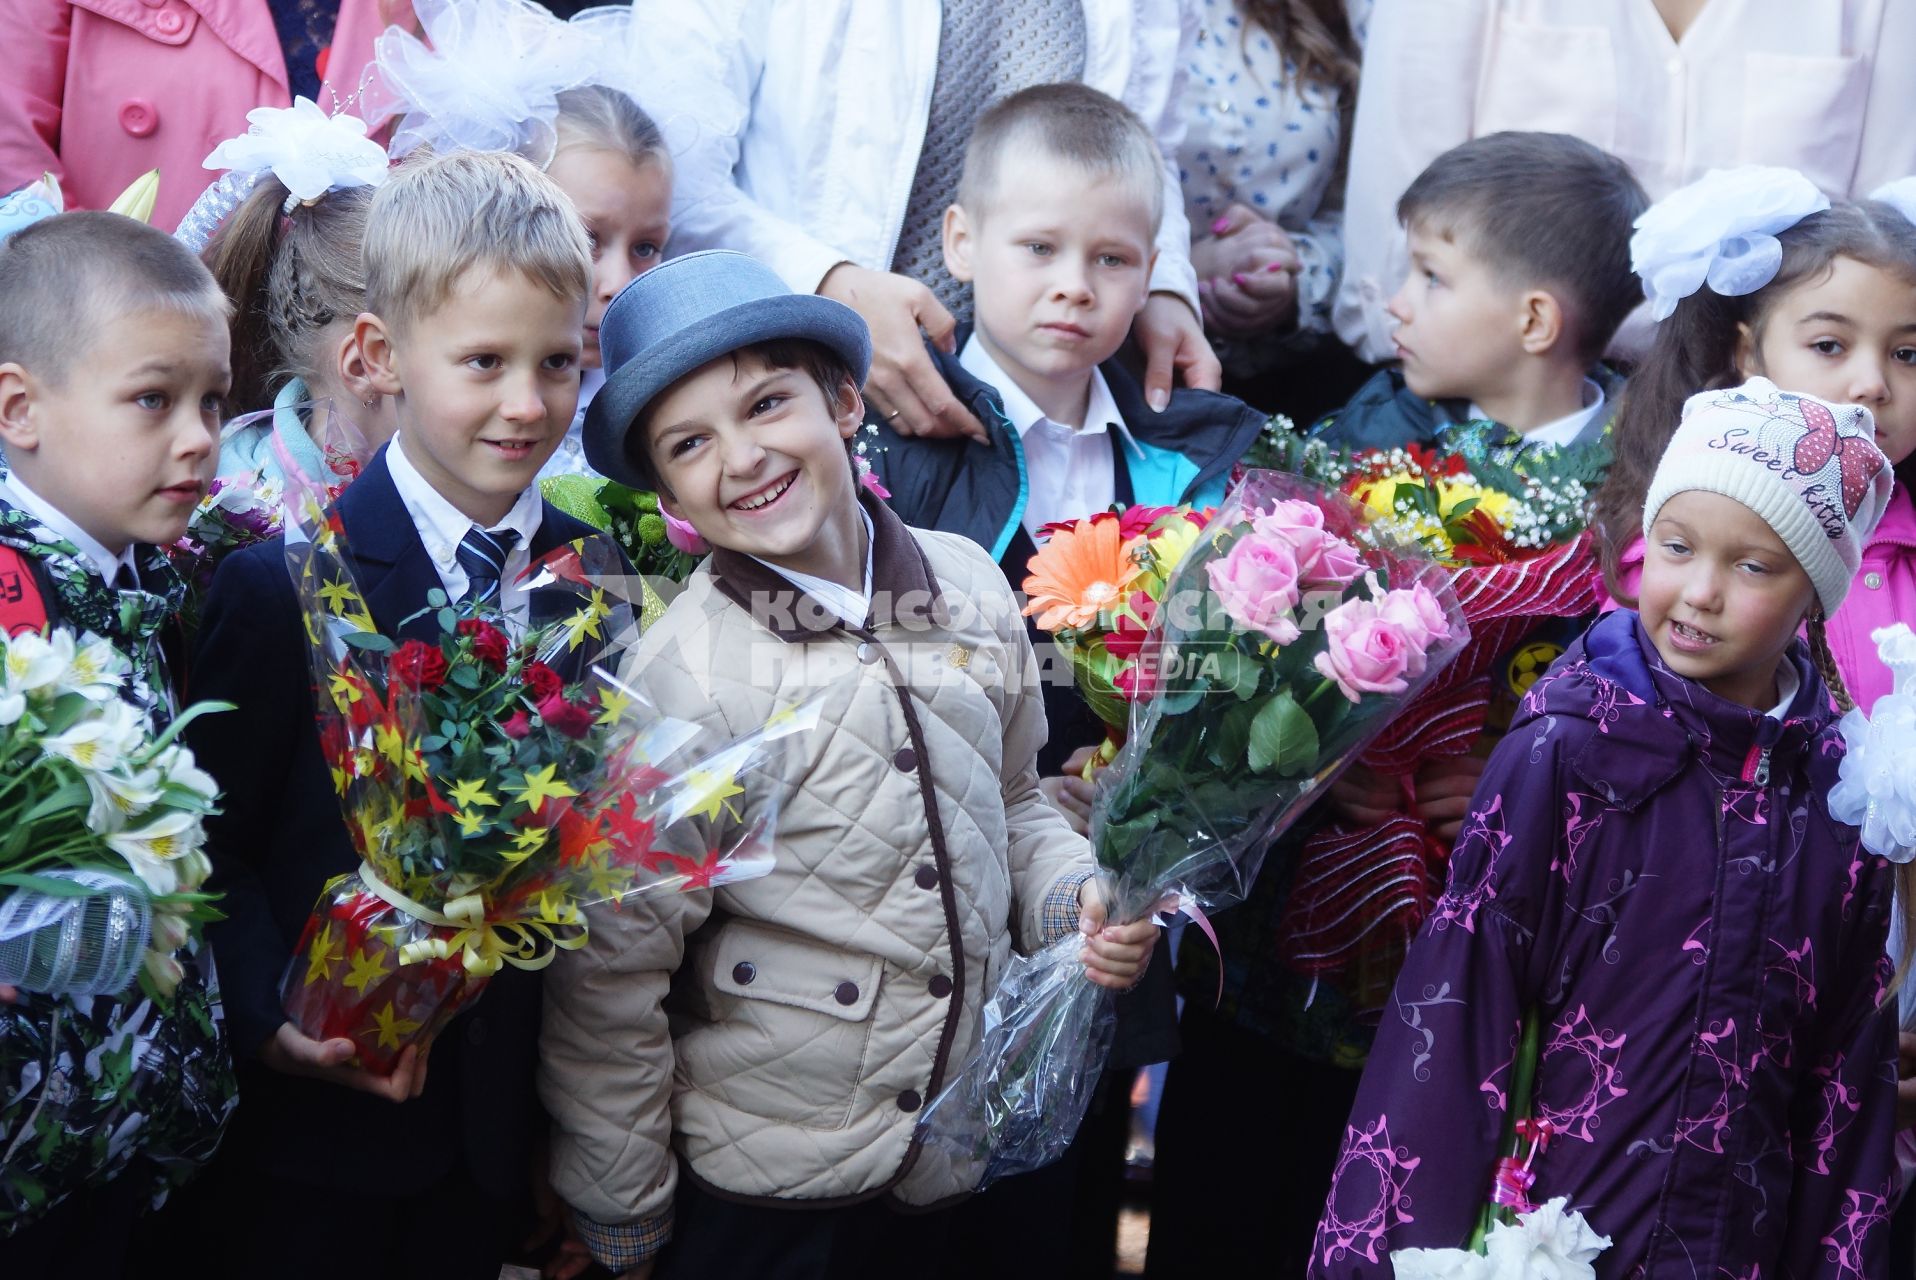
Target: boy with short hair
1519, 277
113, 371
477, 271
816, 1010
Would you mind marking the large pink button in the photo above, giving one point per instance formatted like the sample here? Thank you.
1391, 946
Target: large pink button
169, 22
139, 117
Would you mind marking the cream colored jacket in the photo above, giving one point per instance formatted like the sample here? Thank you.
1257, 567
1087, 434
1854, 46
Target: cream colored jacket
813, 1012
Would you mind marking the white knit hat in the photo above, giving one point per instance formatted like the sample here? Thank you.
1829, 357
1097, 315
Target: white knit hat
1809, 469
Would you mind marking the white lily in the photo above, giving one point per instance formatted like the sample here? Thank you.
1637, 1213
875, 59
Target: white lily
101, 742
156, 850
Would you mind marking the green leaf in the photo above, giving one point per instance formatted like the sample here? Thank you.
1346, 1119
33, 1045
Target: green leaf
448, 620
1238, 672
371, 641
1227, 741
437, 598
465, 677
1186, 696
1283, 739
70, 795
432, 742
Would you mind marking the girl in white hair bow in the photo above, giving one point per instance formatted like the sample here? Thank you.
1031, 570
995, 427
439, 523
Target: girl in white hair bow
1753, 272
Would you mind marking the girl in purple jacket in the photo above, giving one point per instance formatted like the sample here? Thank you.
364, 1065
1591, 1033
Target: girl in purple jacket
1651, 874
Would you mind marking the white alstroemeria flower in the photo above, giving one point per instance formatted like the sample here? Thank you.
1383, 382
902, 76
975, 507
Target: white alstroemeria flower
164, 971
156, 850
12, 707
118, 795
34, 663
95, 671
1550, 1242
178, 768
100, 742
170, 931
1439, 1264
309, 151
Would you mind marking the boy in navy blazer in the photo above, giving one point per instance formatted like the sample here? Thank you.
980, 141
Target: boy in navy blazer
477, 271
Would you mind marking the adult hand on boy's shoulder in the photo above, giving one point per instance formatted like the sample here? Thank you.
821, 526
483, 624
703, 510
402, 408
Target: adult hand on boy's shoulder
1172, 339
331, 1060
1115, 956
904, 386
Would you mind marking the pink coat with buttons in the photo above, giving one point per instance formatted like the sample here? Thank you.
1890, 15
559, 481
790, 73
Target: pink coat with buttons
1884, 591
99, 91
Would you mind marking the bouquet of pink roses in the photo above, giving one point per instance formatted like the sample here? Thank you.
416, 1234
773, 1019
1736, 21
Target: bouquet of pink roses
1288, 634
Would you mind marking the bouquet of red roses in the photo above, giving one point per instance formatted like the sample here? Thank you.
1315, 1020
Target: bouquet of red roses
489, 798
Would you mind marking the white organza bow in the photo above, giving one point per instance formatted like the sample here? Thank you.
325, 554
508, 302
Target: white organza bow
1720, 230
309, 151
1877, 787
1899, 195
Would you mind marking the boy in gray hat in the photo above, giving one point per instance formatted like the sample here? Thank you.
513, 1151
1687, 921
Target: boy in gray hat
813, 1012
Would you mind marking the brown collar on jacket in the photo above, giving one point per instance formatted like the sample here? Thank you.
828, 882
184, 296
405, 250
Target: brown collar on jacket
904, 589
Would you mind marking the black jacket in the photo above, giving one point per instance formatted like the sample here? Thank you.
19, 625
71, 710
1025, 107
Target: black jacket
1386, 414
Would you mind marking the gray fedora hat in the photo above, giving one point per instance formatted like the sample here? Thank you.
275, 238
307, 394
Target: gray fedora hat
687, 312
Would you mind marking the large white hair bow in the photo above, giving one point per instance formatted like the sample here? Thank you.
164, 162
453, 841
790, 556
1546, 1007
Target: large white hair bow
490, 80
1899, 195
309, 151
684, 84
1877, 787
1720, 230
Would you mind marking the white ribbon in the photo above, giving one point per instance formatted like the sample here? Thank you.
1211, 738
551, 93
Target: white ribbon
1720, 230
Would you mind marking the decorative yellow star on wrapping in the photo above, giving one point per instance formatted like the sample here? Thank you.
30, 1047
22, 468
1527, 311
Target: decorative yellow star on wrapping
391, 1028
536, 786
339, 597
369, 966
391, 743
321, 955
527, 843
468, 794
586, 621
345, 690
707, 791
605, 881
470, 823
612, 704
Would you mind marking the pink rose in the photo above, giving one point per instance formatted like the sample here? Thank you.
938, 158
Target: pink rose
1324, 560
1256, 582
1364, 652
682, 535
1416, 610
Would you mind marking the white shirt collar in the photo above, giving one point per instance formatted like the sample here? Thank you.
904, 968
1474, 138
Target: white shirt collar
1788, 683
850, 607
1570, 428
1100, 410
443, 526
104, 562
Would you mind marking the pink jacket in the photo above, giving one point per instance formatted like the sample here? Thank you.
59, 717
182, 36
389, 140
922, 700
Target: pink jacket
1884, 592
99, 91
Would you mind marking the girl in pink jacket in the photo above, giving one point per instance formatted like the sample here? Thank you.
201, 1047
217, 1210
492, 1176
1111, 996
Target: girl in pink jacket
97, 92
1827, 307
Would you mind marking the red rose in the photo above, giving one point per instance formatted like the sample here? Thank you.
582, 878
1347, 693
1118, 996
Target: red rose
541, 682
418, 665
573, 719
516, 725
489, 644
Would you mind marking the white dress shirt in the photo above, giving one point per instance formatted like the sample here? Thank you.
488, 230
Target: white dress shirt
1069, 473
1570, 428
851, 607
1821, 86
104, 562
443, 526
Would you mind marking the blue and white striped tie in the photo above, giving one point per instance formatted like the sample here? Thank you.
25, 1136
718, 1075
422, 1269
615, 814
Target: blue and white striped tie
483, 556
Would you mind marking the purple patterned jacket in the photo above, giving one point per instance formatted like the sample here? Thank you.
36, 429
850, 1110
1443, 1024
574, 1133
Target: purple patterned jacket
1653, 870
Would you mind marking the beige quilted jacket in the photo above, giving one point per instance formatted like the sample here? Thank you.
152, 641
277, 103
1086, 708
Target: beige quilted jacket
813, 1012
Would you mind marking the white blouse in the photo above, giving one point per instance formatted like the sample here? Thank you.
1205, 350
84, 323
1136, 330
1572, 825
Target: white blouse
1254, 135
1823, 86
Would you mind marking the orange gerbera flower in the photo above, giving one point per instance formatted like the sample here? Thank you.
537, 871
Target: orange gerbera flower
1078, 572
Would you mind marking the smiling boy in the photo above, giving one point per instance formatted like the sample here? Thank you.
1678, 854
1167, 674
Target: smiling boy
815, 1011
476, 279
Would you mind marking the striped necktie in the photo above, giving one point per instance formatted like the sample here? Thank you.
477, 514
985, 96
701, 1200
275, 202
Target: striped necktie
483, 556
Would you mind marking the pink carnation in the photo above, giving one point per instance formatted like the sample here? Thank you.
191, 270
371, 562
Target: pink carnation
1256, 582
1365, 652
682, 535
1416, 610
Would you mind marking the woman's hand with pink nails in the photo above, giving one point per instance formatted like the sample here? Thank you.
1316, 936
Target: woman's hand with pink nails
1247, 274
